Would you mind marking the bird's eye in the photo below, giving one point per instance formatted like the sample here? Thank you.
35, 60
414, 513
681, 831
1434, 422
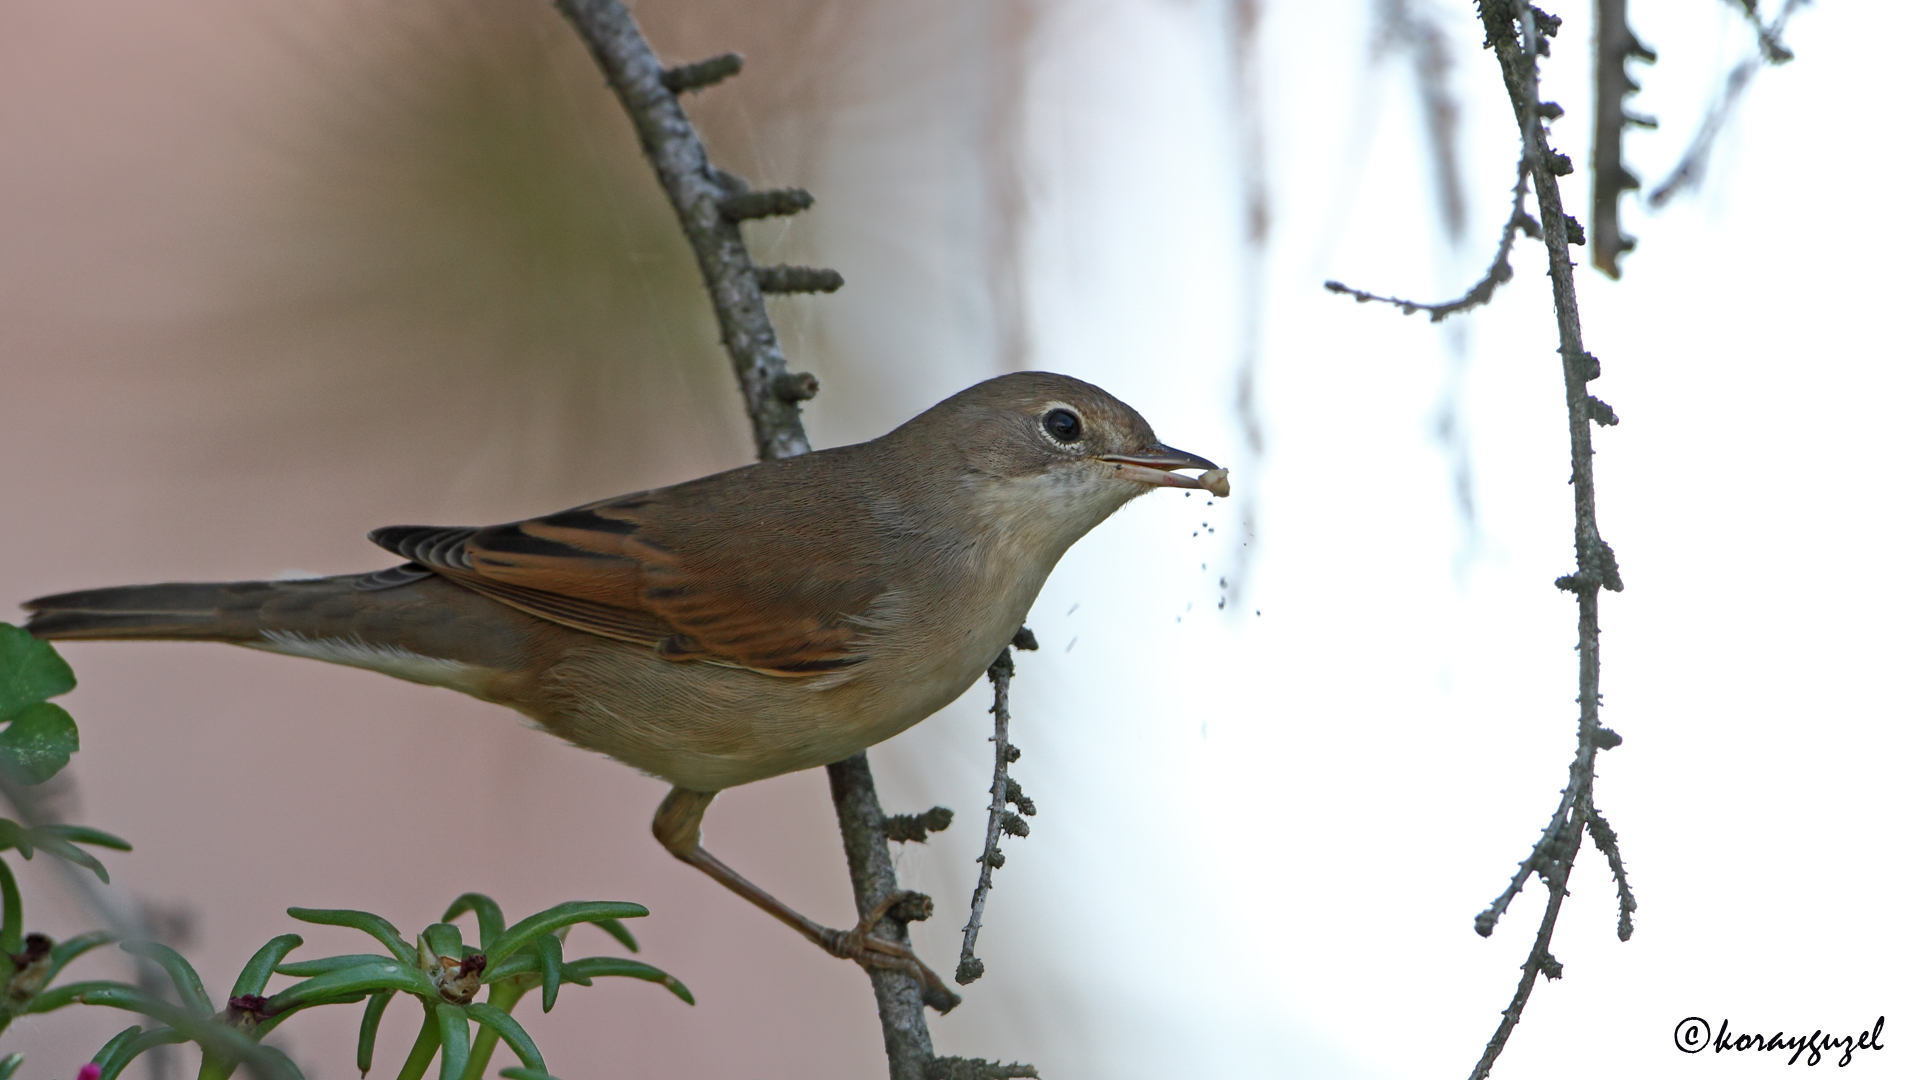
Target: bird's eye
1062, 425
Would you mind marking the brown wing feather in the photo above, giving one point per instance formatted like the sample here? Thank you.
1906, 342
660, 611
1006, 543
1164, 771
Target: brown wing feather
677, 569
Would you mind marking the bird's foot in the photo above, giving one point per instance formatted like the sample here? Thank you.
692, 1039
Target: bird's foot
862, 946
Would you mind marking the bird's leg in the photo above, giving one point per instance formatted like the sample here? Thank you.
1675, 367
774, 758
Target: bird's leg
677, 826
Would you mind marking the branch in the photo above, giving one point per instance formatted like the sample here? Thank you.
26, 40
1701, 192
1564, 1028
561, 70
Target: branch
710, 205
1498, 273
1614, 45
1005, 789
1693, 164
701, 195
1515, 34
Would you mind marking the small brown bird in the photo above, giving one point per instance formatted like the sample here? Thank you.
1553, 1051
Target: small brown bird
755, 622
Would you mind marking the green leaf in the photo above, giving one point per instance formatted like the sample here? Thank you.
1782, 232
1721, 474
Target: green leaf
304, 968
80, 834
443, 939
114, 1057
11, 941
594, 966
253, 977
352, 982
10, 1064
30, 671
454, 1039
424, 1047
517, 1073
510, 1032
38, 743
547, 948
70, 853
620, 933
492, 922
15, 835
521, 934
370, 1027
186, 981
360, 920
74, 947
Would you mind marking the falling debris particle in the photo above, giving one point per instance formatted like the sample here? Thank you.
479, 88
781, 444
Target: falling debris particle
1069, 647
1074, 608
1223, 603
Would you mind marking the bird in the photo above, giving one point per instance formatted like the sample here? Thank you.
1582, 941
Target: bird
759, 621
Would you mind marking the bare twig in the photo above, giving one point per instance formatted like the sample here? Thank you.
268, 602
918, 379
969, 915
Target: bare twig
1692, 166
700, 194
710, 204
1000, 820
1514, 32
1499, 272
1614, 45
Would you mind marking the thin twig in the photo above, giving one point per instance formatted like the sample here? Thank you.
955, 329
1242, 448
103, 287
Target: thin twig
703, 197
1614, 44
1692, 167
1513, 31
1499, 272
1000, 820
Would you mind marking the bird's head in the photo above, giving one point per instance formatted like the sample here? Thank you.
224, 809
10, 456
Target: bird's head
1053, 452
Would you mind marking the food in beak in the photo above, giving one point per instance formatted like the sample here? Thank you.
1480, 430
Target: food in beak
1156, 464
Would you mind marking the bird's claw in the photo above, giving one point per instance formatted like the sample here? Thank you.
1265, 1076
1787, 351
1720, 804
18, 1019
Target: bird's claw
862, 946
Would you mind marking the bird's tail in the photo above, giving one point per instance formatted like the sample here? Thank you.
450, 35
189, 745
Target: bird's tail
404, 622
244, 612
239, 612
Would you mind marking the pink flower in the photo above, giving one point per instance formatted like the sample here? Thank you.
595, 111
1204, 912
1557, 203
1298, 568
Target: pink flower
89, 1071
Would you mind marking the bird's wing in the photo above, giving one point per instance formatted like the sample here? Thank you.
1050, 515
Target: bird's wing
672, 573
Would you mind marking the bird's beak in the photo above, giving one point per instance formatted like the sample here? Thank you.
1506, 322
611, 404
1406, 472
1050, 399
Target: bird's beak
1156, 464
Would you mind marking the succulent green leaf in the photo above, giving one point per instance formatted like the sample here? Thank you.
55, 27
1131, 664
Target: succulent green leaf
15, 835
370, 1027
74, 947
114, 1057
595, 966
502, 970
30, 671
72, 854
353, 982
492, 922
547, 948
424, 1047
186, 981
620, 933
510, 1032
517, 1073
304, 968
253, 977
443, 939
38, 743
364, 921
10, 914
216, 1038
455, 1039
10, 1065
80, 834
521, 934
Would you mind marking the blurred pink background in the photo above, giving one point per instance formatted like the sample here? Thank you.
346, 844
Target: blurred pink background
274, 276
